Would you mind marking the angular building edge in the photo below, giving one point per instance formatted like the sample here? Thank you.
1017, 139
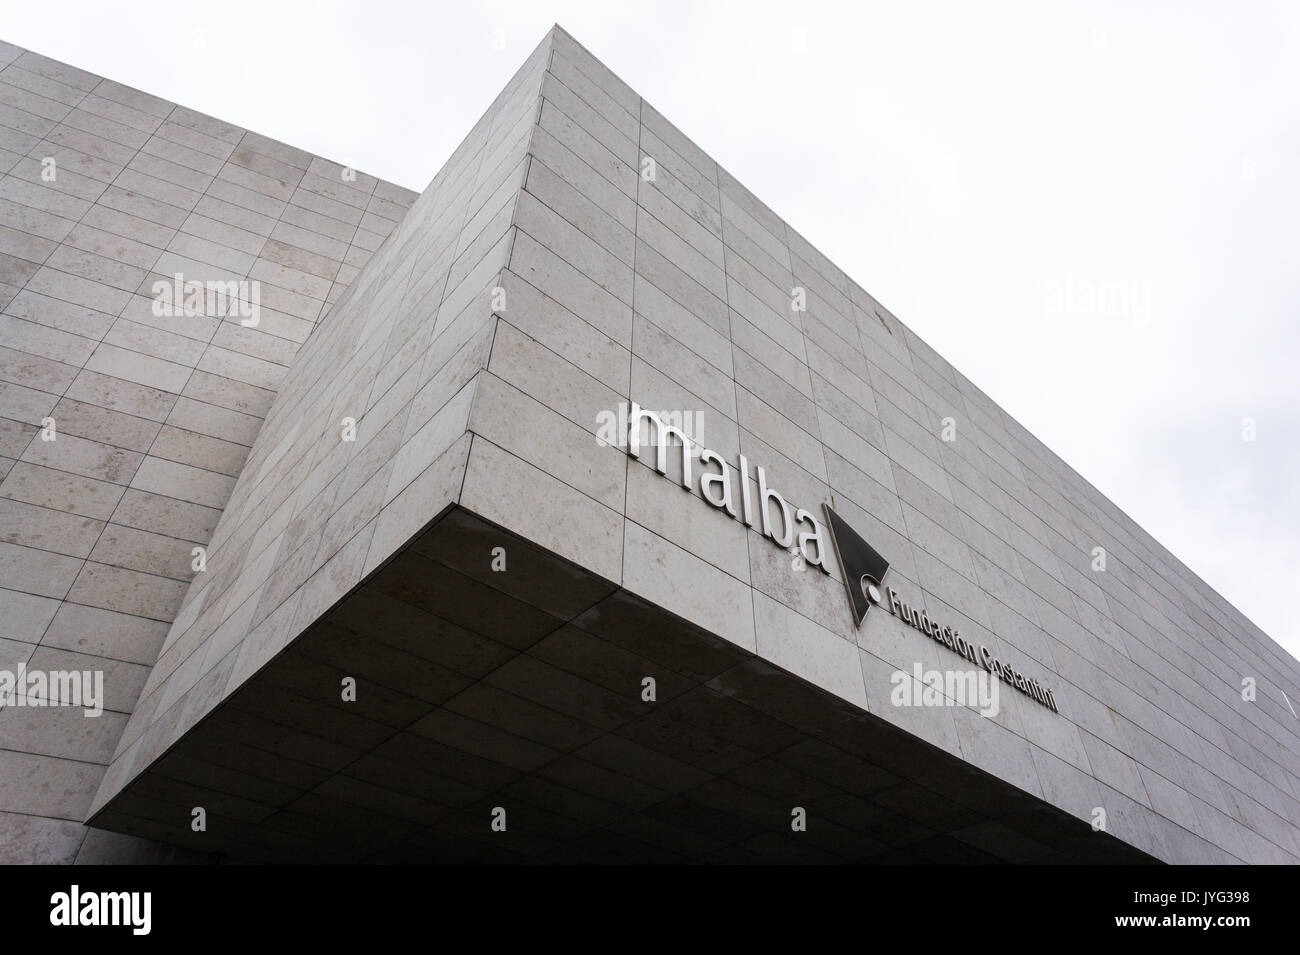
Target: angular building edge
665, 292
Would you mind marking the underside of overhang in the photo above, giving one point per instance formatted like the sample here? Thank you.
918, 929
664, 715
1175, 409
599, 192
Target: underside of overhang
497, 681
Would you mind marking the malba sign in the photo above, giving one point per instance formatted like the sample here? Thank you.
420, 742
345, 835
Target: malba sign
647, 435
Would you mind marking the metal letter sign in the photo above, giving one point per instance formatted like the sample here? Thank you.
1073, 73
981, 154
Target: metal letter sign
864, 568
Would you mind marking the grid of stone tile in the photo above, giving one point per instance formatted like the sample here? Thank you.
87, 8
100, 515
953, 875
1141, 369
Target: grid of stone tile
313, 511
477, 694
677, 293
154, 416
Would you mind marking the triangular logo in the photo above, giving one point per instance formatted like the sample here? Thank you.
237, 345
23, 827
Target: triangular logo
861, 563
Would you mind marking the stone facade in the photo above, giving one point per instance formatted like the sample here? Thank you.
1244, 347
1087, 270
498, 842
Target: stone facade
576, 253
154, 416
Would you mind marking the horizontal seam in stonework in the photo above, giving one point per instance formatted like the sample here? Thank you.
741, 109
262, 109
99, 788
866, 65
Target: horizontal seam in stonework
192, 210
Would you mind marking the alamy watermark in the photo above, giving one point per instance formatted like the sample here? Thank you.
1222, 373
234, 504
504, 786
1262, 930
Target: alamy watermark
194, 299
1074, 298
612, 427
24, 687
75, 907
974, 688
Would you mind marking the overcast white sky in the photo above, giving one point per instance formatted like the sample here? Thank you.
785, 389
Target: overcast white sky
967, 163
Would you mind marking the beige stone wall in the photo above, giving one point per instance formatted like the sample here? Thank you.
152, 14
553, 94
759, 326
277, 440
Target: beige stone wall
154, 415
312, 512
675, 291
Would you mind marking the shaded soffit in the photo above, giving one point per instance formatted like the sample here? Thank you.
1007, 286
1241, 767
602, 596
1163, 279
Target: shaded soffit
522, 689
